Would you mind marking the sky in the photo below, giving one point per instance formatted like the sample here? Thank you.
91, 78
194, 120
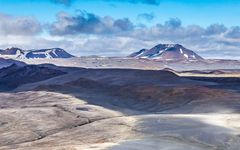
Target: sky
119, 27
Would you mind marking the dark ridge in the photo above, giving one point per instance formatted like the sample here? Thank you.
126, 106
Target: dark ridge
13, 76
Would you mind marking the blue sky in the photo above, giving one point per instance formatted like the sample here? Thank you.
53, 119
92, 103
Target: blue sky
201, 12
205, 26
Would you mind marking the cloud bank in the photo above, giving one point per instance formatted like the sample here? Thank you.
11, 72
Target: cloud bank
89, 34
88, 23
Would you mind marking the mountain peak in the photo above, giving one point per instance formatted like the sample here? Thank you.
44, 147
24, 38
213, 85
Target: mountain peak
169, 45
11, 51
173, 52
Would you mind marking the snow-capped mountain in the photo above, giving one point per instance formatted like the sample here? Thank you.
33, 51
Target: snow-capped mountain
174, 52
12, 53
48, 53
32, 54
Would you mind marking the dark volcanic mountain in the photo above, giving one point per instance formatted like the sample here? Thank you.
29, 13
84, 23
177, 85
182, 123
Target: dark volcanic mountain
30, 54
174, 52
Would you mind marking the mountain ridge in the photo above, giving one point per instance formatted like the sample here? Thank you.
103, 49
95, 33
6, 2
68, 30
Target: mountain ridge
15, 52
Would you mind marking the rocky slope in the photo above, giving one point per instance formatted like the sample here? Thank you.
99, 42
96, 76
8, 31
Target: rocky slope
15, 75
9, 62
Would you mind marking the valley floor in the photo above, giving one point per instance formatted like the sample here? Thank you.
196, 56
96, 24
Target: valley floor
117, 109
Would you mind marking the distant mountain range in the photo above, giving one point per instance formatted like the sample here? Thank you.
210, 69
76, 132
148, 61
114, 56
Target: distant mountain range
165, 52
33, 54
171, 52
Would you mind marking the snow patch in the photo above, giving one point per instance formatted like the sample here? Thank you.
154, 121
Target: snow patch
185, 55
181, 51
140, 54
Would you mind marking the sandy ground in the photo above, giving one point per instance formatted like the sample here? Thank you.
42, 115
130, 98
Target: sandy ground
227, 75
122, 62
48, 120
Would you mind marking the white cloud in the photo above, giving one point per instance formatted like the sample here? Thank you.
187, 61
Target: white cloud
10, 25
